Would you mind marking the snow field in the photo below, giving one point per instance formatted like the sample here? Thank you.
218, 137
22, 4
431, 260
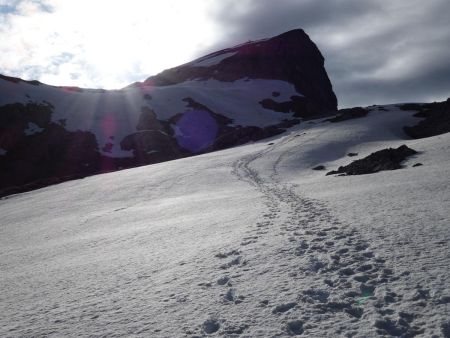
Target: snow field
245, 242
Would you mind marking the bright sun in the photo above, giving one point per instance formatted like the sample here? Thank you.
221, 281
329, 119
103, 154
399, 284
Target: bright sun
109, 44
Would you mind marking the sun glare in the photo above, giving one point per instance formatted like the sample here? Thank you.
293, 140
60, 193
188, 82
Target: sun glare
112, 43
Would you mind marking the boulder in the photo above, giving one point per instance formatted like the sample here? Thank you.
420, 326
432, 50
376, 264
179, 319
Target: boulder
386, 159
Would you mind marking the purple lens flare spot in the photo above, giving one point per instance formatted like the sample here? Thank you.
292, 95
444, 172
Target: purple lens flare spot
197, 129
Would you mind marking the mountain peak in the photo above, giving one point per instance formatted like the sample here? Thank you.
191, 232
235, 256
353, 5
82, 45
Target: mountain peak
293, 32
290, 57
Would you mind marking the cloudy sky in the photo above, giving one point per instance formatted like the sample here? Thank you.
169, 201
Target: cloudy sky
376, 51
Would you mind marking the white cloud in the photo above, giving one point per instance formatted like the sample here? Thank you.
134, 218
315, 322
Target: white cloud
112, 43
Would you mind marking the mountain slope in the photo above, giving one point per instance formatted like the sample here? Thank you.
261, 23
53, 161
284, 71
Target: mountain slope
245, 93
248, 241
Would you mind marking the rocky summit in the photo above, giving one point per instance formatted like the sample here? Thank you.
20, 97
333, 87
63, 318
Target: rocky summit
290, 57
50, 134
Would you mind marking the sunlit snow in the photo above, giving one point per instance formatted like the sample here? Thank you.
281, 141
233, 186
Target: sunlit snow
116, 112
246, 242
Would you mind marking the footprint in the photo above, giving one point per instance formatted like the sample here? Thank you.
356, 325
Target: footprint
317, 295
228, 265
284, 307
211, 326
361, 278
223, 280
421, 294
315, 265
227, 254
354, 312
342, 251
390, 327
390, 297
301, 249
294, 328
230, 295
365, 268
346, 272
234, 329
445, 328
244, 243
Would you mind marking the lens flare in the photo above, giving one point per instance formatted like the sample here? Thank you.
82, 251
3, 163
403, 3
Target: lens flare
197, 129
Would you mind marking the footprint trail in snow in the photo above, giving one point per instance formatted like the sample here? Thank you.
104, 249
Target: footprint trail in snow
320, 273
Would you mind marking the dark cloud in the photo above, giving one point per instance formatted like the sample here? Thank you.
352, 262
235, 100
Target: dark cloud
376, 51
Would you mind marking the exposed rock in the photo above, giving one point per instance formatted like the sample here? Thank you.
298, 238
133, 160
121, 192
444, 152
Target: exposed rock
436, 120
352, 154
240, 135
319, 167
417, 165
151, 146
386, 159
148, 120
297, 105
221, 120
52, 155
411, 106
290, 57
17, 80
348, 114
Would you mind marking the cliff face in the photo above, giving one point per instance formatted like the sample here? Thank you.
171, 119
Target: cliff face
245, 93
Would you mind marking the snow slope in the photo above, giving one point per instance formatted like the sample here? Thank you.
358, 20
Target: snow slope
112, 115
245, 242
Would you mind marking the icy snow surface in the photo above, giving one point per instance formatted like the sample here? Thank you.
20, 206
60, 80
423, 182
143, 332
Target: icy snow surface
213, 60
116, 112
245, 242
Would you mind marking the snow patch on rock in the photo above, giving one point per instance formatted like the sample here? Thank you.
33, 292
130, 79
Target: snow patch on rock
33, 129
213, 60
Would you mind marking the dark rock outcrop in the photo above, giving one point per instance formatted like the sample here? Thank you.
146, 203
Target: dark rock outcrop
386, 159
297, 105
411, 106
17, 80
152, 146
47, 155
436, 119
348, 114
